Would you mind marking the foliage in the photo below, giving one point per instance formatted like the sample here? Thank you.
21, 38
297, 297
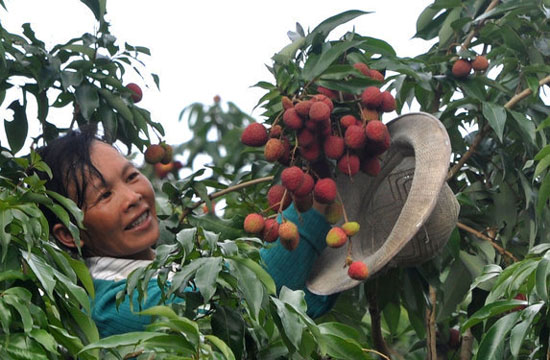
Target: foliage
497, 121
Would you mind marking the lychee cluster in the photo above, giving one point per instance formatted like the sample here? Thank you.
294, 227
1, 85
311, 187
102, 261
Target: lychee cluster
463, 67
159, 153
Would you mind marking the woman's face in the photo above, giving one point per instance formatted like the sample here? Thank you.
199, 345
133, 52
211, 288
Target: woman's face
119, 216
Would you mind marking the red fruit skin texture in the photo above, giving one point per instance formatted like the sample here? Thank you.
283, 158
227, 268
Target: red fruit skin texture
327, 92
286, 102
461, 68
305, 137
336, 237
369, 114
306, 187
358, 270
325, 191
378, 148
274, 150
355, 137
154, 154
348, 120
292, 178
275, 131
275, 195
255, 135
371, 97
325, 99
137, 94
302, 107
285, 159
319, 111
253, 223
292, 119
312, 152
334, 147
303, 203
288, 235
362, 67
480, 63
375, 74
388, 102
371, 165
349, 164
270, 233
376, 131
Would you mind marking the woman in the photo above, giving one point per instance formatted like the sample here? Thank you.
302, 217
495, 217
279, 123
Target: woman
121, 229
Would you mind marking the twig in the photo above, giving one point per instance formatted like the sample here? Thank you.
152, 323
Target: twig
376, 323
501, 250
430, 326
133, 354
481, 134
467, 344
376, 352
226, 191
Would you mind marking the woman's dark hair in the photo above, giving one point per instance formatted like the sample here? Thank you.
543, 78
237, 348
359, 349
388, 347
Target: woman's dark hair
69, 160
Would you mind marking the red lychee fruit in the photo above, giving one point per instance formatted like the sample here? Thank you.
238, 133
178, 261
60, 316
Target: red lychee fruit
461, 68
285, 159
292, 119
334, 147
334, 212
311, 152
370, 165
348, 120
331, 94
369, 114
275, 131
358, 270
270, 232
377, 148
253, 223
325, 191
154, 154
376, 131
292, 178
137, 94
274, 150
275, 196
306, 187
217, 99
288, 235
303, 203
325, 99
355, 137
350, 228
162, 170
388, 102
454, 339
362, 67
519, 296
371, 97
254, 134
349, 164
305, 137
336, 237
375, 75
286, 102
168, 153
206, 210
303, 107
319, 111
480, 63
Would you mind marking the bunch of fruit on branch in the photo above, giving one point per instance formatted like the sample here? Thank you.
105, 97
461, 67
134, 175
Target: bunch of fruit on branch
313, 143
463, 66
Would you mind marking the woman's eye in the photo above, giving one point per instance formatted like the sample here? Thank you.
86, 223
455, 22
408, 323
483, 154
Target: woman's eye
105, 195
133, 176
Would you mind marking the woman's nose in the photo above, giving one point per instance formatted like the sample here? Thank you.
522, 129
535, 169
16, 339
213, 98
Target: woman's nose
131, 197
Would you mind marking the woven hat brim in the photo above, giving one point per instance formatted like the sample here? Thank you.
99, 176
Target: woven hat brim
419, 136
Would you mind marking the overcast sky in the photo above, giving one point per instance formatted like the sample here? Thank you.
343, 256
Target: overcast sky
207, 48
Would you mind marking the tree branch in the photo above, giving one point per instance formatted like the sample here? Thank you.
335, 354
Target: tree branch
224, 192
476, 233
467, 344
376, 323
430, 326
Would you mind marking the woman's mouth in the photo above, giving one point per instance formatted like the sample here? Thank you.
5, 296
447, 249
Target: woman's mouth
139, 221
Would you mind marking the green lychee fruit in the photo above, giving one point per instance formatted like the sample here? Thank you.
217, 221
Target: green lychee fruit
336, 237
325, 191
254, 223
255, 135
288, 235
358, 271
350, 228
154, 154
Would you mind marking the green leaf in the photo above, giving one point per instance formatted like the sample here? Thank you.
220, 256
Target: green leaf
116, 341
496, 116
313, 69
541, 277
343, 348
320, 32
222, 346
252, 290
118, 104
490, 310
19, 299
526, 127
206, 277
491, 342
446, 32
260, 272
542, 166
83, 274
44, 272
45, 339
286, 54
292, 327
70, 205
87, 98
71, 78
16, 130
97, 7
186, 238
425, 18
544, 194
454, 289
521, 330
6, 218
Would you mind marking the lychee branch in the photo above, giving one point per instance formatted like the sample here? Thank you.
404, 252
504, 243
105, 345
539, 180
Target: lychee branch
481, 134
225, 192
476, 233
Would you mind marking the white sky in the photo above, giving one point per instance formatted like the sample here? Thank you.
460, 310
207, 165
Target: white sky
201, 49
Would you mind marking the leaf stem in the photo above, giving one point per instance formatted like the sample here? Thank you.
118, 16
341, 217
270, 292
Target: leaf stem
478, 234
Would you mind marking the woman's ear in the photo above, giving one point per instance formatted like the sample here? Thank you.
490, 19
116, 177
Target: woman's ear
64, 236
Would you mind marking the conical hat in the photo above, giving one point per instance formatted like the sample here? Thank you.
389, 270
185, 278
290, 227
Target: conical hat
406, 213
